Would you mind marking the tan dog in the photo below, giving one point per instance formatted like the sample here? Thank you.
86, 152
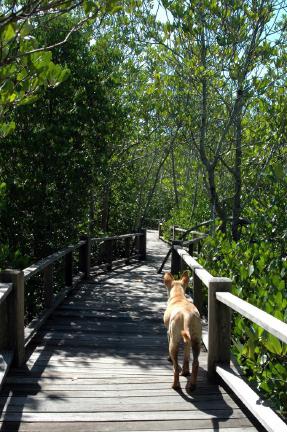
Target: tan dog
182, 320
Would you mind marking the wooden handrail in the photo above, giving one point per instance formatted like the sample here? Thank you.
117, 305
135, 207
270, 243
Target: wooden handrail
51, 259
119, 237
271, 324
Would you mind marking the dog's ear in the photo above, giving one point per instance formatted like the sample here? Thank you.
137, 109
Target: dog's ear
168, 279
185, 280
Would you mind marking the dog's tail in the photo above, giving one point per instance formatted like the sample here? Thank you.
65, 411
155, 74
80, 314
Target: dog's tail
185, 332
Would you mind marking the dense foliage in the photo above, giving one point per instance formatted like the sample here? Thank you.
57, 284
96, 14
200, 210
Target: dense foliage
258, 271
116, 114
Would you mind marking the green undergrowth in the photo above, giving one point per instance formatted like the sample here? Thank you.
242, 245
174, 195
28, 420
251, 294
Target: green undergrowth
258, 271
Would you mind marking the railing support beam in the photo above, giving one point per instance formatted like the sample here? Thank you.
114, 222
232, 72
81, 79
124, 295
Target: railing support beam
142, 244
15, 312
85, 257
219, 326
175, 258
68, 266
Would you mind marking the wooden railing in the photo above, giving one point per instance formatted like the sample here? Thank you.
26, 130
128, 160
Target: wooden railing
176, 238
218, 338
14, 335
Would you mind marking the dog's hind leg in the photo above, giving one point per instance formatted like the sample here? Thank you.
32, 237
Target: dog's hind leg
195, 343
173, 352
185, 367
169, 357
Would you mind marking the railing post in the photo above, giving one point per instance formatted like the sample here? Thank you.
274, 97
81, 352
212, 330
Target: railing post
127, 249
15, 312
68, 266
173, 232
175, 258
142, 244
219, 326
85, 256
190, 249
197, 293
48, 293
108, 253
159, 230
199, 246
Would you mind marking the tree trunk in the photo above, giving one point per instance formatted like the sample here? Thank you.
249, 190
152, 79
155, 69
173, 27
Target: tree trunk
210, 167
105, 208
236, 210
176, 199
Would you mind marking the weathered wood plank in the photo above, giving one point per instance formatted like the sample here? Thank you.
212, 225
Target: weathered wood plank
74, 378
121, 416
267, 417
92, 405
206, 425
268, 322
76, 385
157, 395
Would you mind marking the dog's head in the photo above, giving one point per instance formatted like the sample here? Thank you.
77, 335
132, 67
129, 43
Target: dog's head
170, 282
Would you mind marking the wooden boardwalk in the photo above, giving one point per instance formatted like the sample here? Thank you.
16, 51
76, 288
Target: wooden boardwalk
99, 364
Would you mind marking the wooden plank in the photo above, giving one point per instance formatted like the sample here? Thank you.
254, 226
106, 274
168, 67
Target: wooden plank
100, 405
121, 416
81, 335
189, 260
90, 355
103, 362
50, 378
6, 358
206, 425
263, 413
5, 289
263, 319
95, 373
56, 385
108, 315
157, 394
204, 276
116, 327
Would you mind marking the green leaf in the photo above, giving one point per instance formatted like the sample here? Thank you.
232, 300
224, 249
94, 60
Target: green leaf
251, 269
6, 128
8, 33
273, 344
